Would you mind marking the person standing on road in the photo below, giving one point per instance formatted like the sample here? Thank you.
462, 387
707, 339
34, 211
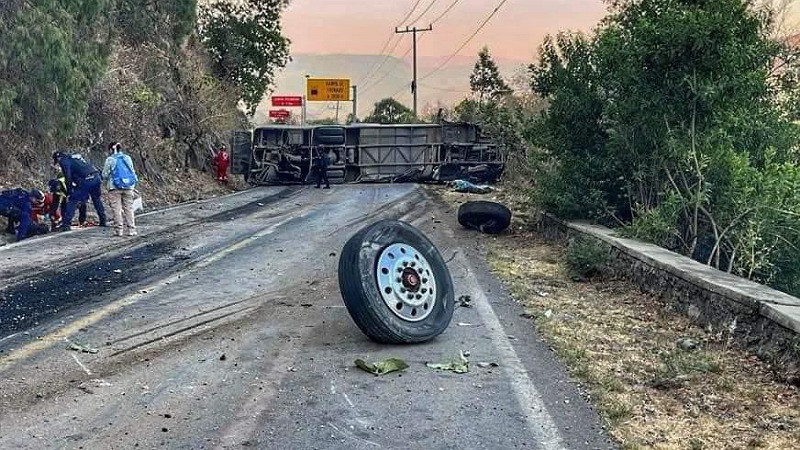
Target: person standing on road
122, 179
83, 180
322, 161
222, 160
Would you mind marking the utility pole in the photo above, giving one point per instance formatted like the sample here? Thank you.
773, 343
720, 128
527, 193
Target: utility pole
414, 32
355, 104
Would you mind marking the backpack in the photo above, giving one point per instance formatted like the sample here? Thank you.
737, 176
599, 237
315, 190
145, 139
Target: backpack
122, 175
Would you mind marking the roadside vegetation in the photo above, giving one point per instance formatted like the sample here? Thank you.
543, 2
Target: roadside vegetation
674, 121
657, 380
165, 78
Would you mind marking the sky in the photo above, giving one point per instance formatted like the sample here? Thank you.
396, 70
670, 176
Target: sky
363, 26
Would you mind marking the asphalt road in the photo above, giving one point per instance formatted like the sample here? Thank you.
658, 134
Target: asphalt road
222, 327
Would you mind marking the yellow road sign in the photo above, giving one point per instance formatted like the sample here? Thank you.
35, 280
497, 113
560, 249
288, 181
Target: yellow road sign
328, 90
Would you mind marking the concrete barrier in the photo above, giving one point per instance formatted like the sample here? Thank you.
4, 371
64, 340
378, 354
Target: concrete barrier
764, 320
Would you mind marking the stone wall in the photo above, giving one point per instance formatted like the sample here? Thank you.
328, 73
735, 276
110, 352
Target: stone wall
763, 320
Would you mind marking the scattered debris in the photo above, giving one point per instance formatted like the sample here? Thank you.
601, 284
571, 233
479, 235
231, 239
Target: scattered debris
548, 314
332, 254
223, 357
687, 344
291, 369
117, 271
486, 217
486, 365
465, 324
306, 305
543, 294
127, 257
470, 188
260, 204
465, 301
461, 365
382, 367
81, 348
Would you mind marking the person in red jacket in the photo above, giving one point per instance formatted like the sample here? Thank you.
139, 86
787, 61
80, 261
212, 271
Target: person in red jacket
222, 160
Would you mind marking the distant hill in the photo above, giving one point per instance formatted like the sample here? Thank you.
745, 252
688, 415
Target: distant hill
448, 86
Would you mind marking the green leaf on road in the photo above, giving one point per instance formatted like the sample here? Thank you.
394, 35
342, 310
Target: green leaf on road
382, 367
461, 365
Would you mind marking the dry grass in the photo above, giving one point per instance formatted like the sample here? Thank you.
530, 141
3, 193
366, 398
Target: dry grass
622, 346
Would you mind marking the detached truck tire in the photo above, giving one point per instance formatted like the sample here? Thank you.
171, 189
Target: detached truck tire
486, 217
395, 284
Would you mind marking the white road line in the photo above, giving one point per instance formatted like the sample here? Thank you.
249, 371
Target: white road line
85, 369
540, 423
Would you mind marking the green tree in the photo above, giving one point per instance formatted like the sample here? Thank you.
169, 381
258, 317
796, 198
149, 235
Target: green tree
390, 110
52, 53
670, 119
485, 80
245, 43
160, 22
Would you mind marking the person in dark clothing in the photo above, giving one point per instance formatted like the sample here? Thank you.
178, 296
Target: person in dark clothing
321, 162
58, 189
15, 205
83, 180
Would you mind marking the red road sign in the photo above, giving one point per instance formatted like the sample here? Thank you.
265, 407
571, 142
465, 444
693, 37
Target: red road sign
287, 100
279, 114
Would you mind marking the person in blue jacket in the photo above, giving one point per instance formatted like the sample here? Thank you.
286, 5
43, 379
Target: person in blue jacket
83, 180
15, 205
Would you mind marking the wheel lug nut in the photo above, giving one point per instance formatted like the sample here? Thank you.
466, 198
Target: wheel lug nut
402, 290
419, 296
411, 296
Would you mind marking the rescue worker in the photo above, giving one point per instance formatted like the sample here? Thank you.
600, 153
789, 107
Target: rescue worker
58, 191
222, 160
321, 163
16, 206
83, 180
122, 179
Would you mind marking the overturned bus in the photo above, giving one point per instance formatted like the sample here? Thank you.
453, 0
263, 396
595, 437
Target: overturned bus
281, 154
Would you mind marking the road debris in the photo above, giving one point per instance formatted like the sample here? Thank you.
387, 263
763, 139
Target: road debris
382, 367
117, 271
411, 299
486, 365
486, 217
687, 344
81, 348
465, 301
465, 324
460, 365
223, 357
470, 188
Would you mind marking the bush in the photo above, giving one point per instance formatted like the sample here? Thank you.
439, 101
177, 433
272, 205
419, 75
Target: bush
672, 121
587, 256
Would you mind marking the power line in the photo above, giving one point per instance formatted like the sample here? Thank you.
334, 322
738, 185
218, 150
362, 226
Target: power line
413, 8
376, 66
433, 2
386, 74
469, 39
446, 11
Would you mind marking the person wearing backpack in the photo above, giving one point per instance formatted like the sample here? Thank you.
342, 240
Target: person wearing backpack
122, 179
